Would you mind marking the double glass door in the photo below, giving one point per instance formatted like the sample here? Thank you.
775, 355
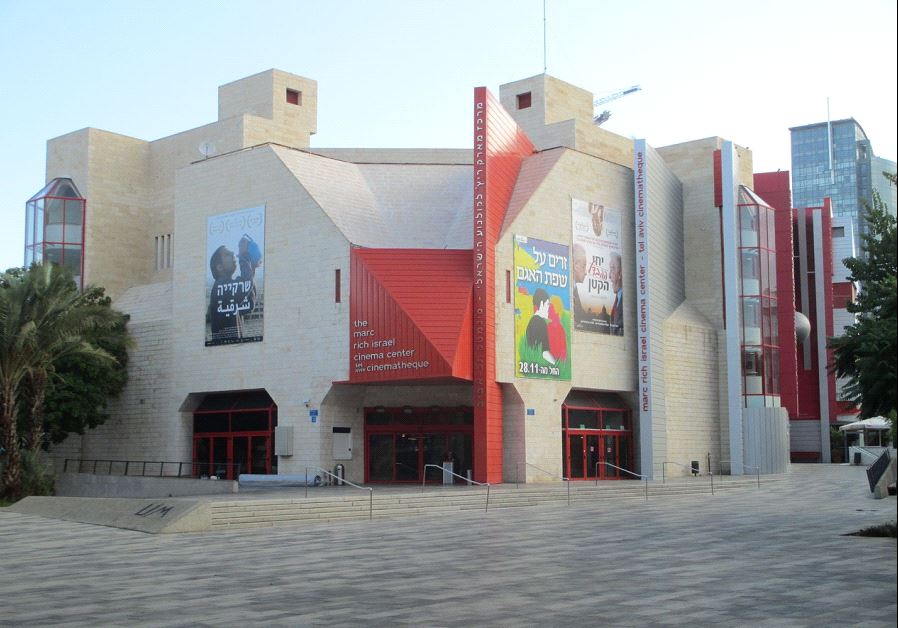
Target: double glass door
586, 455
228, 456
404, 456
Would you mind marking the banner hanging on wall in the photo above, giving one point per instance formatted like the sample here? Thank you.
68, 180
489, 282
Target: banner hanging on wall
542, 309
596, 268
235, 245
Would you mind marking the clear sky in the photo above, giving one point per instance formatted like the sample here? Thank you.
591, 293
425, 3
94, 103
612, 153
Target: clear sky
401, 73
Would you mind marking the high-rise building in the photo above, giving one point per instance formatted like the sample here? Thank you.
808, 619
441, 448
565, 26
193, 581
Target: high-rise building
836, 160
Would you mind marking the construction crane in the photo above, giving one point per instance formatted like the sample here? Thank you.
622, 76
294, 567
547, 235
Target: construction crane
603, 117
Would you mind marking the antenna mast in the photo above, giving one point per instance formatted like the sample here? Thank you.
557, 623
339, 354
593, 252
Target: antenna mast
544, 37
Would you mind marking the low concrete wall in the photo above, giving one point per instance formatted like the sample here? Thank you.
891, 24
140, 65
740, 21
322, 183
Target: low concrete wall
88, 485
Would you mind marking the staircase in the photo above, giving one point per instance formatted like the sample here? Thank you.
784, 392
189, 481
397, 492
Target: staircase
329, 504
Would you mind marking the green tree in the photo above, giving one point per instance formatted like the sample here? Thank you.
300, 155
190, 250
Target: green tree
865, 354
77, 396
44, 319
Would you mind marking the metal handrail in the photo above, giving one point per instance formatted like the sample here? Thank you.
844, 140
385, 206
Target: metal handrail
641, 477
517, 473
666, 462
344, 480
444, 470
744, 467
129, 464
689, 468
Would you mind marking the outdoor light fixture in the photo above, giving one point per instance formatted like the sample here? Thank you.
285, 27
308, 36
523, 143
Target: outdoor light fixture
407, 409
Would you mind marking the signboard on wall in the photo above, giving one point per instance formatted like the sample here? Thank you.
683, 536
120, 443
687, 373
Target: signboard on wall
235, 279
542, 309
643, 331
597, 289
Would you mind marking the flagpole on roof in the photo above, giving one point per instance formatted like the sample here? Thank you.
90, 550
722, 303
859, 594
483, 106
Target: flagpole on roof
544, 37
829, 135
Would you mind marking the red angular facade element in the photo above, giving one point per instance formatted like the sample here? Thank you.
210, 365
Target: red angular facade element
410, 315
499, 148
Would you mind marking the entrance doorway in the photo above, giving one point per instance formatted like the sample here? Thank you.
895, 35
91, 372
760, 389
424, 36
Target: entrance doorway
233, 433
597, 442
402, 442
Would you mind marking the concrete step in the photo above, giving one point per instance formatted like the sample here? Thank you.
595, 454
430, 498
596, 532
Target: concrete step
344, 503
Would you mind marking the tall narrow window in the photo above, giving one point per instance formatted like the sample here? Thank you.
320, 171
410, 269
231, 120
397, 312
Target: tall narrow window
163, 251
337, 295
760, 333
508, 286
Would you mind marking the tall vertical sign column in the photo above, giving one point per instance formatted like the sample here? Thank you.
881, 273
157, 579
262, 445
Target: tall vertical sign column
499, 148
643, 331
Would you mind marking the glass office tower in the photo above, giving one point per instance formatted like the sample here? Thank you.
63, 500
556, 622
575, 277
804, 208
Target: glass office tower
837, 160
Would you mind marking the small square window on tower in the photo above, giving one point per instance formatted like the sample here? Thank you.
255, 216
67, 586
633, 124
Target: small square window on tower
294, 97
524, 100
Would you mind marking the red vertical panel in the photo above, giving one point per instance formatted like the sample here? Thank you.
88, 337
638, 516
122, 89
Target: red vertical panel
499, 148
785, 298
774, 188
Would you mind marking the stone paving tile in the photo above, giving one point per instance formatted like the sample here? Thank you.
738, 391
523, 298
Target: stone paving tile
771, 557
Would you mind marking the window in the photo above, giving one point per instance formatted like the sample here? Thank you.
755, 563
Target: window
294, 97
55, 227
337, 294
838, 232
163, 251
524, 100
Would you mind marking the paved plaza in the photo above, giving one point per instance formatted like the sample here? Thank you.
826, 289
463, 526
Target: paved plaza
770, 557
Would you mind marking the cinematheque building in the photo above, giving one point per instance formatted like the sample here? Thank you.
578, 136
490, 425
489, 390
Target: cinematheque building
555, 301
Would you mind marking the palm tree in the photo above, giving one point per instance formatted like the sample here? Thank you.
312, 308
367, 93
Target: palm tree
43, 318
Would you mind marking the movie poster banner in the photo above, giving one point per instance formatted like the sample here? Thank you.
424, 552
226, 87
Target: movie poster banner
596, 268
235, 279
542, 331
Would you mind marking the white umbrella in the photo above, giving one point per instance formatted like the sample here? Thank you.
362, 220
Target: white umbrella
873, 423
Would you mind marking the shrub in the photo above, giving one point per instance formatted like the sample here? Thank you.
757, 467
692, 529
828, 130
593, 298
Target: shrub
37, 477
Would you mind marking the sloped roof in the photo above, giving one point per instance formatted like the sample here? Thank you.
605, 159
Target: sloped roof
389, 205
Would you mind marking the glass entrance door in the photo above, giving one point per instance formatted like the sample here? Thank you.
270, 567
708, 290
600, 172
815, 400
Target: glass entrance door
233, 433
406, 462
587, 455
226, 457
584, 457
611, 447
575, 457
403, 457
593, 456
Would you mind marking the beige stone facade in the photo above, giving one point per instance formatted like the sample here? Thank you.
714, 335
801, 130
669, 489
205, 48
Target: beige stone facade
321, 203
